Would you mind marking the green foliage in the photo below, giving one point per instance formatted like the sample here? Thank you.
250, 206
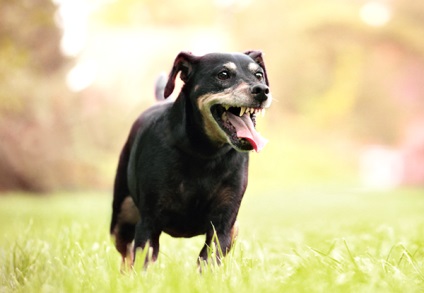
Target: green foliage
134, 13
332, 69
34, 102
29, 47
289, 241
330, 73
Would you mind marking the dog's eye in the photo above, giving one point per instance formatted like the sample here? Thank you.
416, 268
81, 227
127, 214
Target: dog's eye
259, 76
223, 75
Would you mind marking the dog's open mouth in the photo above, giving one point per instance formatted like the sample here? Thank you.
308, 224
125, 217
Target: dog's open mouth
239, 125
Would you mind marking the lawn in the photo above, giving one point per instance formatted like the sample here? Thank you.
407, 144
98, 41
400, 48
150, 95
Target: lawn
293, 240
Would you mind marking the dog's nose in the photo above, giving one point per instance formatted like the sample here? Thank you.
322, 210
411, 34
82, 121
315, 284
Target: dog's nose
260, 92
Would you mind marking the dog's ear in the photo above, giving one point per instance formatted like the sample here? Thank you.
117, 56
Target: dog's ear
257, 57
183, 63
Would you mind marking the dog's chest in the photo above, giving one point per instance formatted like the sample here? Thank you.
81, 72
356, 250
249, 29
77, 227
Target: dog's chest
202, 190
190, 210
198, 197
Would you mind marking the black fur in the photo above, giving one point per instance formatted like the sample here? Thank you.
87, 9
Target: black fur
173, 175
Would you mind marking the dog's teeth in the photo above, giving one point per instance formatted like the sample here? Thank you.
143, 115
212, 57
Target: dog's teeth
226, 107
224, 116
263, 112
242, 111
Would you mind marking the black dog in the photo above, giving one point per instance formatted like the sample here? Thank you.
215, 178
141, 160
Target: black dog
183, 169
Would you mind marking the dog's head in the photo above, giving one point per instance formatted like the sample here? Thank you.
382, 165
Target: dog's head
228, 90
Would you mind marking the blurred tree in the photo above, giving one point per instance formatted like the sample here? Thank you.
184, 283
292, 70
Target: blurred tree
329, 71
150, 12
336, 71
34, 126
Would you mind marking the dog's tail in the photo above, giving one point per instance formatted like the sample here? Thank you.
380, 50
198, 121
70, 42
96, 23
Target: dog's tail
160, 86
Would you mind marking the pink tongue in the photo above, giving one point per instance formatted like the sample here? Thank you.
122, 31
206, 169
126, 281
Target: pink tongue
246, 129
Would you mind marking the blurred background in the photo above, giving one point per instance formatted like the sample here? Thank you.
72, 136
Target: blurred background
347, 77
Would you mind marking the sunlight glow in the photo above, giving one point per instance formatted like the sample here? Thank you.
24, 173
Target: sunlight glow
82, 75
381, 167
72, 16
375, 13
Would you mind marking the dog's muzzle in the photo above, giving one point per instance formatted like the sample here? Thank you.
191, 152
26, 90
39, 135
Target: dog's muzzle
231, 116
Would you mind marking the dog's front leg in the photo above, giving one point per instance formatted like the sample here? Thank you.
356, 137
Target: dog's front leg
223, 242
145, 235
203, 256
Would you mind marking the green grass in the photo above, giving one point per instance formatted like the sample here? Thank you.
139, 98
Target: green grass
289, 241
